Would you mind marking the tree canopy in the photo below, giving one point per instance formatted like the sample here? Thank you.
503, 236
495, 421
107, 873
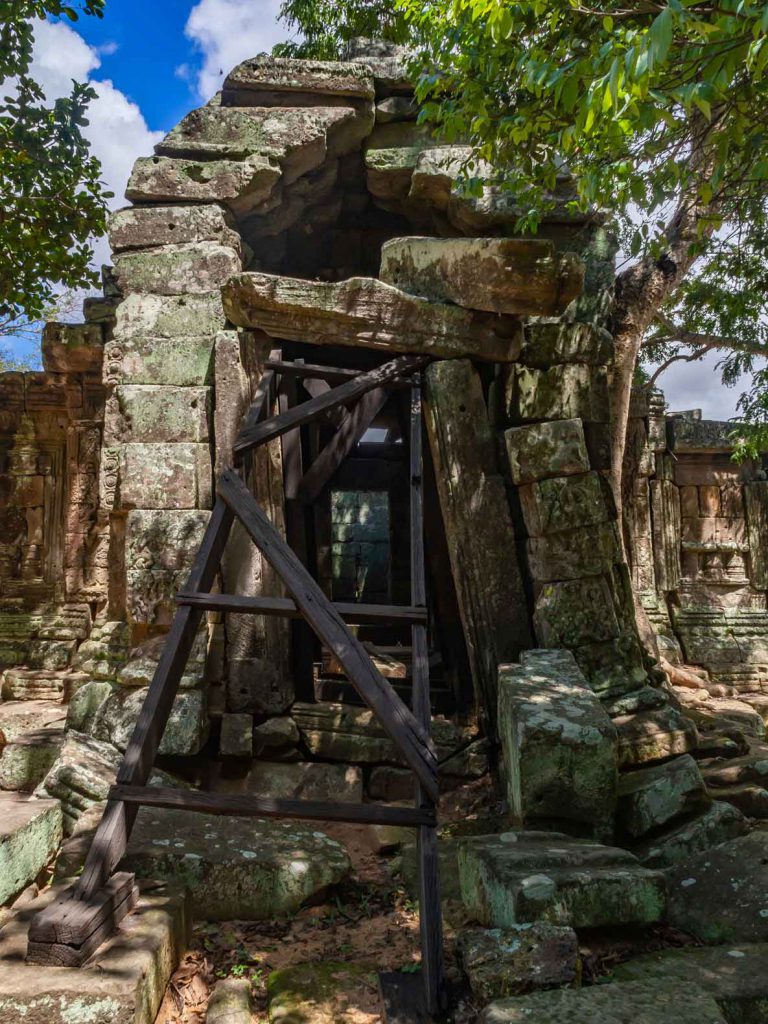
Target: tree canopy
51, 196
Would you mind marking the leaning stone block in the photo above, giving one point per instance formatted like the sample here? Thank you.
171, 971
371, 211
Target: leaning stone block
181, 362
85, 705
169, 316
186, 731
565, 503
559, 393
665, 1002
254, 870
576, 612
435, 174
558, 742
546, 449
152, 413
501, 275
162, 179
366, 313
142, 227
27, 759
547, 344
391, 155
286, 81
651, 797
513, 961
165, 476
30, 833
571, 554
519, 877
190, 269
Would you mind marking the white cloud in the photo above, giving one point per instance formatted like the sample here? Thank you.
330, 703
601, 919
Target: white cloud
699, 386
230, 31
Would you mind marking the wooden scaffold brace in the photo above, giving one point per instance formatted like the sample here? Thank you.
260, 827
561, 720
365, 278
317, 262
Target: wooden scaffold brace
71, 929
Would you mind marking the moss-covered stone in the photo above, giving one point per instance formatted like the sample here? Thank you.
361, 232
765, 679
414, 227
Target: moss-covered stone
154, 413
181, 362
503, 962
651, 797
541, 450
186, 731
654, 735
144, 227
323, 993
165, 476
26, 760
169, 316
195, 268
170, 179
30, 833
559, 393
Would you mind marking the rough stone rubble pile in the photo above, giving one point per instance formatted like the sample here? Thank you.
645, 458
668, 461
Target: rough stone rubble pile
304, 203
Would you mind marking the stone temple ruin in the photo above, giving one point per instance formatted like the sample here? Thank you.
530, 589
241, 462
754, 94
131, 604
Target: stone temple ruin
303, 221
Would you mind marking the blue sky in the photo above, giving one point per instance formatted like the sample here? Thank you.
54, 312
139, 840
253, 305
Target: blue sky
152, 61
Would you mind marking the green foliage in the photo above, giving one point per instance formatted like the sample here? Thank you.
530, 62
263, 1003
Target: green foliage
328, 25
52, 199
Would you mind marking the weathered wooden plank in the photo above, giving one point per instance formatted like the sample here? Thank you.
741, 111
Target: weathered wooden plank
344, 394
478, 527
300, 369
349, 432
71, 921
60, 954
112, 835
243, 806
349, 611
396, 719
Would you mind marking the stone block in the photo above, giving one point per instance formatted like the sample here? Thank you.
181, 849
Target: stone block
511, 961
575, 613
652, 797
276, 736
254, 870
560, 393
435, 175
392, 785
165, 476
614, 667
72, 348
721, 895
186, 731
137, 227
185, 361
161, 179
391, 155
565, 503
30, 833
26, 760
396, 108
124, 985
169, 316
19, 717
322, 992
571, 554
80, 777
666, 1002
716, 824
196, 268
298, 780
231, 1002
547, 344
84, 706
163, 539
387, 62
367, 313
542, 450
272, 77
654, 736
521, 877
501, 275
236, 735
152, 413
558, 743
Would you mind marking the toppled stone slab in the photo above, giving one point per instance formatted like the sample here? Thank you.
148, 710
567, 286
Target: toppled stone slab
81, 776
651, 797
30, 833
708, 710
513, 961
19, 717
270, 78
324, 993
26, 760
554, 449
735, 976
647, 698
558, 742
721, 895
86, 704
236, 868
665, 1002
524, 277
654, 735
519, 877
715, 825
343, 732
124, 984
366, 313
231, 1002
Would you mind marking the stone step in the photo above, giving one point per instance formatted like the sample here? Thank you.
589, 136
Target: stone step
652, 797
750, 798
18, 717
667, 1001
654, 736
751, 768
24, 684
736, 977
30, 833
710, 827
26, 760
520, 877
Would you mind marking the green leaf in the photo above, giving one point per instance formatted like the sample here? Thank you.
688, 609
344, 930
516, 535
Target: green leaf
660, 34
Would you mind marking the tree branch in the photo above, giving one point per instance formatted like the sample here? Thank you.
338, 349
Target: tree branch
673, 334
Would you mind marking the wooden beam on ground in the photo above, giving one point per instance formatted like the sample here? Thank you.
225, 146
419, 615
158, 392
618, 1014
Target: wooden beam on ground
350, 431
359, 614
247, 806
411, 738
344, 394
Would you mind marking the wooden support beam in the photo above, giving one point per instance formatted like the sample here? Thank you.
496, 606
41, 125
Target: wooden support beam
243, 806
332, 374
396, 719
344, 394
362, 614
350, 431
